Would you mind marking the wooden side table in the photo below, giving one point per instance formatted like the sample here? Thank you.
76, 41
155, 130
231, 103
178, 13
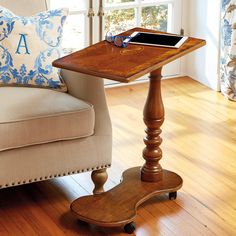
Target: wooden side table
118, 206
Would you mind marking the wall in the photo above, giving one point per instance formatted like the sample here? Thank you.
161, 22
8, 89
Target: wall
201, 18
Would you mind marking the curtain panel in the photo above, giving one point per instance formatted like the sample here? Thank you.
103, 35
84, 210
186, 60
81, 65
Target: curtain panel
228, 49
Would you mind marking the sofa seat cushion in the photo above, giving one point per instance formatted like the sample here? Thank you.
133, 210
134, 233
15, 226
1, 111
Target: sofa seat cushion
30, 116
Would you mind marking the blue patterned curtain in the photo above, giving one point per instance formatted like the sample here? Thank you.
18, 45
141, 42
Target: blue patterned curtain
228, 49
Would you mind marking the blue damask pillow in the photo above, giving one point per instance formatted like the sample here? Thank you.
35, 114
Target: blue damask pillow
28, 46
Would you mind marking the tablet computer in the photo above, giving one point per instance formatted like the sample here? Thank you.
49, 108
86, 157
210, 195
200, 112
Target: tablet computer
155, 39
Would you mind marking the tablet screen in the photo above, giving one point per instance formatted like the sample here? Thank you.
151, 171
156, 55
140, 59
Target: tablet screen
160, 39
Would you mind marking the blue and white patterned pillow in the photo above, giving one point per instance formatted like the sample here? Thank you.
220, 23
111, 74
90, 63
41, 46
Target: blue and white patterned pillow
28, 46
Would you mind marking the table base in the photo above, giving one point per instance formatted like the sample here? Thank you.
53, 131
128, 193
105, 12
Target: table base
118, 206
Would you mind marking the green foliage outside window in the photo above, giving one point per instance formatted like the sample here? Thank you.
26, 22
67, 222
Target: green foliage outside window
153, 17
117, 21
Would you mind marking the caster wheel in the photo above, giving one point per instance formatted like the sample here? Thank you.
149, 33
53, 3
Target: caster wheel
130, 228
81, 222
173, 195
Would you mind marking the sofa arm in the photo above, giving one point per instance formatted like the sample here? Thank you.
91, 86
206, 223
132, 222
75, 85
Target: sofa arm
91, 89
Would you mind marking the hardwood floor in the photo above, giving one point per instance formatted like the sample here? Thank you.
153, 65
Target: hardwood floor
199, 143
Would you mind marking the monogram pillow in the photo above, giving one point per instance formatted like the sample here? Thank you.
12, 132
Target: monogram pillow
28, 46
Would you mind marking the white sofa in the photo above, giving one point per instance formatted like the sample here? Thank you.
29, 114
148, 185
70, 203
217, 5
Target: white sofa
46, 134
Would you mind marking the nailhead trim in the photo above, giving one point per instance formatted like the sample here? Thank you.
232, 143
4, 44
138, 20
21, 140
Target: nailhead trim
56, 175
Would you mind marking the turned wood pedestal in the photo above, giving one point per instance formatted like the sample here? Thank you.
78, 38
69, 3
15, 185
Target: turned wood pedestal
118, 206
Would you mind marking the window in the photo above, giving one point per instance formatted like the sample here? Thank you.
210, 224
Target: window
121, 15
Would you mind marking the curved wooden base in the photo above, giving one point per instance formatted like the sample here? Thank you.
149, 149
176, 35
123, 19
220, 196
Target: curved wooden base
118, 206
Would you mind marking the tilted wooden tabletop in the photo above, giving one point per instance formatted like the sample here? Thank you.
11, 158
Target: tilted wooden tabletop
124, 64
